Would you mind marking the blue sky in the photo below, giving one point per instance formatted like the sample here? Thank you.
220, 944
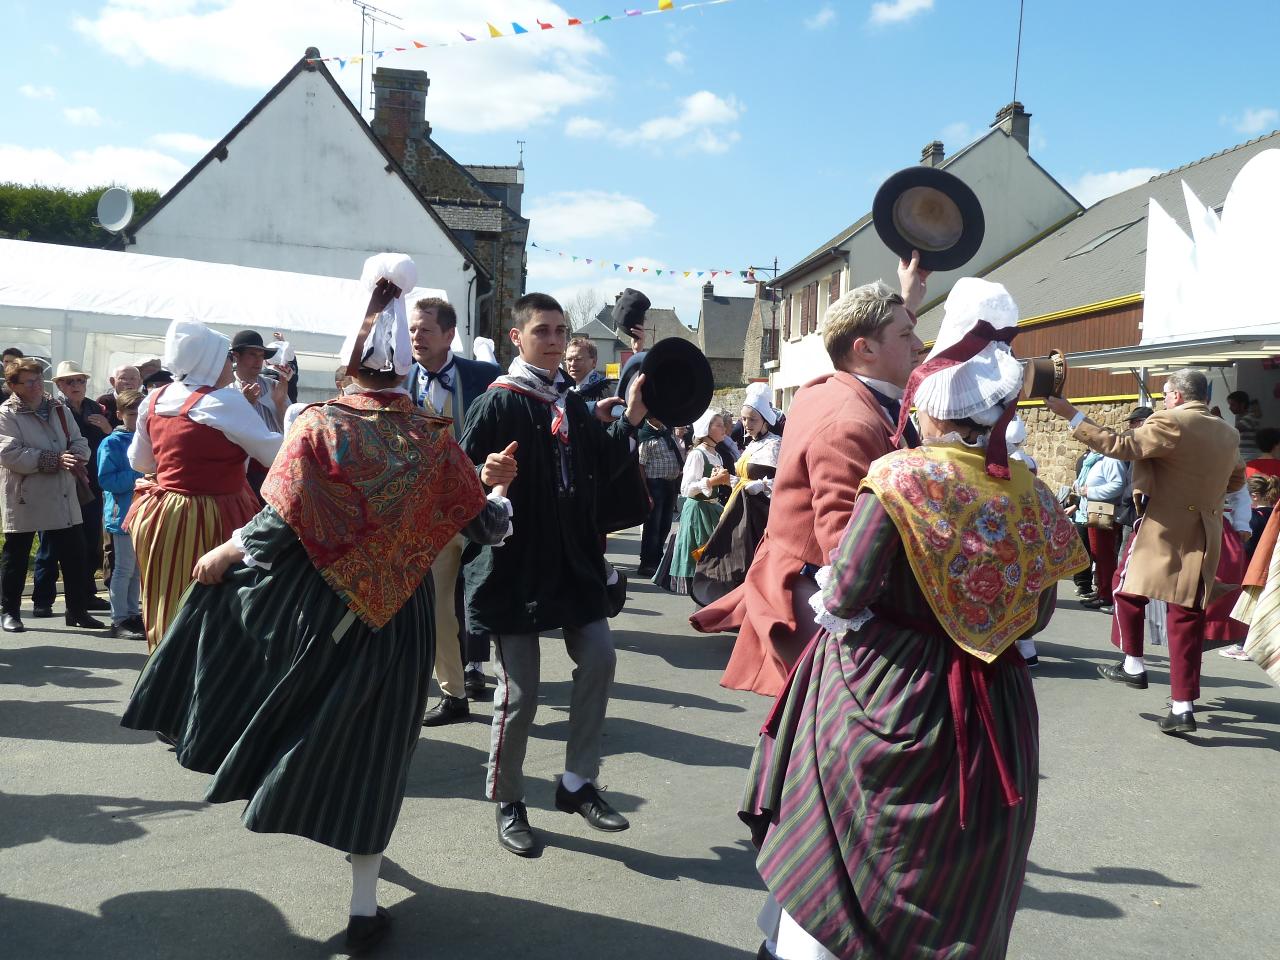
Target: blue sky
711, 138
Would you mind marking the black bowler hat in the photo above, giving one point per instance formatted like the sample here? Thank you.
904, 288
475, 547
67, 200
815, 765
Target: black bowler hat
251, 338
157, 379
628, 312
1139, 413
930, 210
677, 380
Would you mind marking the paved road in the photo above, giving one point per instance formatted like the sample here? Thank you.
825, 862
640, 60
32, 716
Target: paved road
1146, 846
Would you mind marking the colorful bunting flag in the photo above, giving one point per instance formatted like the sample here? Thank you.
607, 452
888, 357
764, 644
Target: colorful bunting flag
544, 26
665, 4
637, 268
516, 28
493, 31
465, 37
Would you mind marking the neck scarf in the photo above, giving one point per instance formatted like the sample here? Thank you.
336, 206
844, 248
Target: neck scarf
524, 377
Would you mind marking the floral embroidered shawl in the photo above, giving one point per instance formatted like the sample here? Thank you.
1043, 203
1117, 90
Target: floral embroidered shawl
982, 549
374, 489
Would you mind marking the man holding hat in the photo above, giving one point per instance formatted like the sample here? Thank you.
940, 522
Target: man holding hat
267, 395
628, 317
838, 423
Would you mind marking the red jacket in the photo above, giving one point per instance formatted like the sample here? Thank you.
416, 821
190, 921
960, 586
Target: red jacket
835, 429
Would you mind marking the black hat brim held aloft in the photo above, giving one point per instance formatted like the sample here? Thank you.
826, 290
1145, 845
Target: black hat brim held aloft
930, 210
629, 311
678, 382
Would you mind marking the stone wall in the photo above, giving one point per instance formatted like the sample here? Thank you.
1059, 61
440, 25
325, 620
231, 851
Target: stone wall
1050, 442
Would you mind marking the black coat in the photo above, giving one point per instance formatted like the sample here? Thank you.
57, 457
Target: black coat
551, 571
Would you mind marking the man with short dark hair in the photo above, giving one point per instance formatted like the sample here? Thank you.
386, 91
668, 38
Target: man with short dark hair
267, 395
1241, 407
838, 424
1185, 463
445, 385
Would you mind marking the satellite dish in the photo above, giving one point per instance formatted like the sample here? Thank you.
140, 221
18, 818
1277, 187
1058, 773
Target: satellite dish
115, 209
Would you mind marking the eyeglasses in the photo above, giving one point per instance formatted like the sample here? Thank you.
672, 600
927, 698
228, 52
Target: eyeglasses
74, 381
27, 383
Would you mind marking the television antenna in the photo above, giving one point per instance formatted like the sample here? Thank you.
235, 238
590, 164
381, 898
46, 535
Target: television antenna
370, 17
1017, 57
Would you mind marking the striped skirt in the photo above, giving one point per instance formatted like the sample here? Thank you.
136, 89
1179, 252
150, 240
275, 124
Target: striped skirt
266, 682
853, 800
170, 532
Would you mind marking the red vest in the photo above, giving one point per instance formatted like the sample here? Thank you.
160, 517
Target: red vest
193, 458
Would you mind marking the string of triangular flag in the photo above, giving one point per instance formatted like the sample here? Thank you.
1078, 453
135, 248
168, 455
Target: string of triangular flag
616, 267
493, 32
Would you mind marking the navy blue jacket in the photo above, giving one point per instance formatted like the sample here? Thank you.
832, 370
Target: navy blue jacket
471, 378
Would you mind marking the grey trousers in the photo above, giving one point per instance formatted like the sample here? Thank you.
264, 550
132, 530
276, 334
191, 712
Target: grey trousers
515, 701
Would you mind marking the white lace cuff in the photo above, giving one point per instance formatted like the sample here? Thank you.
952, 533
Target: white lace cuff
828, 621
249, 559
506, 505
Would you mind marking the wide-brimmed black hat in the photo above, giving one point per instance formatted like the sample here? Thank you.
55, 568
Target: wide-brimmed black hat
157, 378
1139, 413
930, 210
629, 311
251, 338
677, 380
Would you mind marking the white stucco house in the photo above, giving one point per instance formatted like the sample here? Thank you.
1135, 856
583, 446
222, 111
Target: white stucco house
1021, 202
302, 184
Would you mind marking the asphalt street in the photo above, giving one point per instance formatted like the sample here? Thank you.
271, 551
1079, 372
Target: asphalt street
1145, 845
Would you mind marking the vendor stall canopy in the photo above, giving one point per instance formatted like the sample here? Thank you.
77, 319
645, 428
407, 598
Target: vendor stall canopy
103, 308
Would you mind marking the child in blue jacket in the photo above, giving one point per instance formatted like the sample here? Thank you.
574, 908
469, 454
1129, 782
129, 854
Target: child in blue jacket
117, 477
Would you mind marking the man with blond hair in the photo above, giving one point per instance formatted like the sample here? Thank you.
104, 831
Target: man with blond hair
836, 426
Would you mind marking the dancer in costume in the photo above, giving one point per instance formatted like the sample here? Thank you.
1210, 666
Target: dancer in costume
297, 670
893, 791
723, 561
193, 439
704, 473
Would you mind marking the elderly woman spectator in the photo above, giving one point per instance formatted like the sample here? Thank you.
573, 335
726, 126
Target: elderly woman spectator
42, 456
73, 384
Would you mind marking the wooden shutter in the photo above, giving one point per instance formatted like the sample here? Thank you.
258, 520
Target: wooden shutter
786, 318
835, 286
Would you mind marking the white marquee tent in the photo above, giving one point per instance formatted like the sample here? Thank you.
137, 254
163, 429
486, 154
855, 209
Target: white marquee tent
103, 308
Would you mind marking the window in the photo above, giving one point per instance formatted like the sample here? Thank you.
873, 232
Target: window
1101, 238
835, 286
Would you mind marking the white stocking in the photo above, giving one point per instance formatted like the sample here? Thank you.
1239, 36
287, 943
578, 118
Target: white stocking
364, 883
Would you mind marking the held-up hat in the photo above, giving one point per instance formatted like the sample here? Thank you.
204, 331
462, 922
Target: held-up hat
68, 368
1139, 413
251, 338
629, 310
677, 380
930, 210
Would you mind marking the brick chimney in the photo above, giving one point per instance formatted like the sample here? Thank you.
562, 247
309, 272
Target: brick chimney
932, 154
708, 290
1014, 120
400, 108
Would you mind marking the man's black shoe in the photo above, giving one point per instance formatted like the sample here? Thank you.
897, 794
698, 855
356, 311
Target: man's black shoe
42, 612
97, 603
1178, 723
12, 624
1115, 673
514, 832
84, 620
366, 932
135, 623
474, 683
646, 571
617, 593
124, 630
448, 710
586, 800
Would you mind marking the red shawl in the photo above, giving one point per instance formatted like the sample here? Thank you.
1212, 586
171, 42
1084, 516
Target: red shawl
374, 489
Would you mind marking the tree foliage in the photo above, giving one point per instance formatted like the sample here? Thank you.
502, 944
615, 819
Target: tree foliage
58, 215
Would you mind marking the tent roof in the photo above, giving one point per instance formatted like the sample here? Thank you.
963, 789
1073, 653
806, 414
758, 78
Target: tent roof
46, 276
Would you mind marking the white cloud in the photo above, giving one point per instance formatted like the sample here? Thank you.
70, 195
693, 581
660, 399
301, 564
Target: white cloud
585, 127
1092, 187
182, 142
80, 169
1255, 120
896, 11
576, 215
703, 123
37, 93
82, 116
506, 84
676, 59
823, 18
958, 134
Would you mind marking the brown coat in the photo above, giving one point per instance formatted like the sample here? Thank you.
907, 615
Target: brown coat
835, 428
1186, 461
35, 498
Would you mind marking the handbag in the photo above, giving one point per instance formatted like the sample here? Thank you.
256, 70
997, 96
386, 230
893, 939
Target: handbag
1100, 515
84, 492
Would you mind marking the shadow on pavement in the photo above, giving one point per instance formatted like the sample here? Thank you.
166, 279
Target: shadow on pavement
1068, 904
1072, 904
703, 652
733, 866
66, 722
155, 923
1138, 876
63, 666
625, 735
638, 694
81, 818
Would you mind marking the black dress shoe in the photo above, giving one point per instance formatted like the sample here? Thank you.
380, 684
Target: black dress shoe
124, 630
645, 571
1178, 723
135, 623
42, 612
587, 801
366, 932
85, 621
97, 603
12, 624
448, 710
514, 832
617, 594
1115, 673
473, 682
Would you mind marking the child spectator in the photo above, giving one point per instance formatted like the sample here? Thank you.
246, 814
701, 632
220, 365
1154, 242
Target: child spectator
117, 477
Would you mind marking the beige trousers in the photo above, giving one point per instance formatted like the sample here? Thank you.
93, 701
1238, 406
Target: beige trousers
444, 575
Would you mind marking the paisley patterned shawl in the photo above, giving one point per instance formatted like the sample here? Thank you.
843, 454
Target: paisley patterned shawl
374, 489
982, 549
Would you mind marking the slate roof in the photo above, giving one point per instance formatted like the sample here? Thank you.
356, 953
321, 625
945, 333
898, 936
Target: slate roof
469, 215
722, 326
1046, 278
595, 329
219, 151
494, 173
